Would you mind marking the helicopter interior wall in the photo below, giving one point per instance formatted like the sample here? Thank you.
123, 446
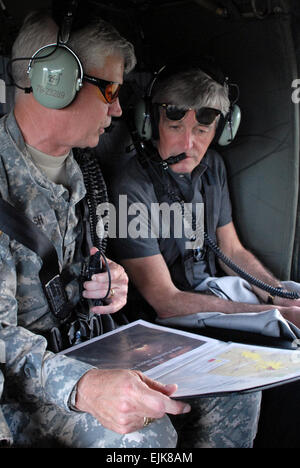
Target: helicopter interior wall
263, 161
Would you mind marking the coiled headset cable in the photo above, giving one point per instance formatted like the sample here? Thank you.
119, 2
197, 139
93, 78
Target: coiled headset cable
96, 195
245, 275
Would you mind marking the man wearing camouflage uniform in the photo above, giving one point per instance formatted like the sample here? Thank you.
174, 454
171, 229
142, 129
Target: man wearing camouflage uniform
49, 399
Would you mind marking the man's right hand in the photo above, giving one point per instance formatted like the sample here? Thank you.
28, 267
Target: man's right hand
290, 313
121, 399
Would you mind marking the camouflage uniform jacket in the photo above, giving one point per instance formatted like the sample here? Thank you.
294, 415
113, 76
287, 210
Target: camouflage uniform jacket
33, 374
5, 435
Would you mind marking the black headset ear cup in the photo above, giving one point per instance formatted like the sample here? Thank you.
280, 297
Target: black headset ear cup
55, 79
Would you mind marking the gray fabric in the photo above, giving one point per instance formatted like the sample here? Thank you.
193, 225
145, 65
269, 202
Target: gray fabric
232, 288
269, 323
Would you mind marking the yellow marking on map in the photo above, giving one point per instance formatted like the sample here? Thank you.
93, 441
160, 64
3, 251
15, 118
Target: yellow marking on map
261, 364
238, 362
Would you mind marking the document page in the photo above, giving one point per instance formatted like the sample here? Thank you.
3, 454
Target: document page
139, 345
234, 367
197, 364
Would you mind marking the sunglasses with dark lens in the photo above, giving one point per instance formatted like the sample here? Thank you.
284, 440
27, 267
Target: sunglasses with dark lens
204, 115
109, 89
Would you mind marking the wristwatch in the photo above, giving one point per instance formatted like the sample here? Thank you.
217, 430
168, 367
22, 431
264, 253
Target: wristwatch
271, 299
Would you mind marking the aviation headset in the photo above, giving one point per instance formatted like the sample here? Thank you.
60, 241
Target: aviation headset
146, 113
55, 76
54, 70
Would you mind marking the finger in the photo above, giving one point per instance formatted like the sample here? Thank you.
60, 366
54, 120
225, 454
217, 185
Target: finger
93, 250
114, 306
159, 406
115, 269
159, 387
115, 293
169, 389
98, 294
95, 285
117, 273
101, 280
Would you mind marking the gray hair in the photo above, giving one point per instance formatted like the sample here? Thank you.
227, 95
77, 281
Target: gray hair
92, 44
191, 89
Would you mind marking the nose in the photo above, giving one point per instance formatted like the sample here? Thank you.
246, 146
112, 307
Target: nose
188, 140
114, 109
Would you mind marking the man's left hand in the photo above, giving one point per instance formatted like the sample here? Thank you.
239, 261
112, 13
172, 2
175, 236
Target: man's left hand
98, 286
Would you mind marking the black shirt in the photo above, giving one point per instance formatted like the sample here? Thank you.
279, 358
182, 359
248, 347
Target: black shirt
136, 209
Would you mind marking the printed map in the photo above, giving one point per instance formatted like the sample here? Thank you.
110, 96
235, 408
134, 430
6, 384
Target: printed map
241, 362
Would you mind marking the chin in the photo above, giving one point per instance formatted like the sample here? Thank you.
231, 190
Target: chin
90, 142
188, 165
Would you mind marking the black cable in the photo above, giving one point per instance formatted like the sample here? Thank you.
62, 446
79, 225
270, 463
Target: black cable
94, 268
96, 194
62, 38
250, 278
27, 90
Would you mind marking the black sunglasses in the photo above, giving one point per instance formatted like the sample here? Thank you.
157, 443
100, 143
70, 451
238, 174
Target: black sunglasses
109, 89
204, 115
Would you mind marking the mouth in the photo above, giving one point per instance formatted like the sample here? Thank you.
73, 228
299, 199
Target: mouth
104, 129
